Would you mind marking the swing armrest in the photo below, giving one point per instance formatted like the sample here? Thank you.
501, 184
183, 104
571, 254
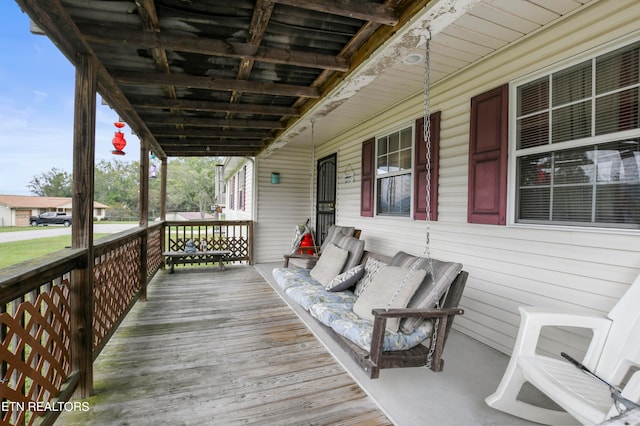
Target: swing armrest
446, 316
301, 255
416, 313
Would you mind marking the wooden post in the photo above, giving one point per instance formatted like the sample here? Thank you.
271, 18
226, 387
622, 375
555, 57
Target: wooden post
163, 204
163, 190
144, 214
82, 230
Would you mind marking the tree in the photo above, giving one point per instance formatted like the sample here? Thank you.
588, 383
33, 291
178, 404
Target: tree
191, 184
117, 184
54, 183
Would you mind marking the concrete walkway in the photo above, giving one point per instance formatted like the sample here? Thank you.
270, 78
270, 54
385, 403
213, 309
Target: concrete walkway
59, 230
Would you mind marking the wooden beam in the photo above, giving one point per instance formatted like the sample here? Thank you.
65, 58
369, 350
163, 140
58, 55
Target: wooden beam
203, 46
192, 132
215, 107
151, 24
212, 122
212, 144
82, 231
215, 153
357, 9
259, 22
207, 83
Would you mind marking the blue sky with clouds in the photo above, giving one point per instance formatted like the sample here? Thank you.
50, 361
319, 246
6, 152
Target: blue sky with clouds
36, 107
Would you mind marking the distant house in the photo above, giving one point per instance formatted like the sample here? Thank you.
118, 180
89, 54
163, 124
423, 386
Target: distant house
15, 210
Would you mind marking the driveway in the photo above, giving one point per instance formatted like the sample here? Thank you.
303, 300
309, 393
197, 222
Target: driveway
56, 231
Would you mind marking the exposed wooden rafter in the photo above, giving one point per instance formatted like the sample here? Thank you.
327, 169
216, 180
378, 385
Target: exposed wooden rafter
146, 78
183, 74
245, 51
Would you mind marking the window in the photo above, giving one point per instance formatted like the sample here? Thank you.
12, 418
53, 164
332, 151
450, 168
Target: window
386, 172
577, 143
242, 188
393, 173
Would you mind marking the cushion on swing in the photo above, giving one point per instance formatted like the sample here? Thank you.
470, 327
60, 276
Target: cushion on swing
391, 287
341, 318
330, 264
430, 290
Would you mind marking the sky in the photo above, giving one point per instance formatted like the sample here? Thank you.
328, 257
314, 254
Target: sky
36, 107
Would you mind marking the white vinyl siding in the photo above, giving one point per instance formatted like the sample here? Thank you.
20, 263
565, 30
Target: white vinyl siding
509, 266
235, 209
280, 207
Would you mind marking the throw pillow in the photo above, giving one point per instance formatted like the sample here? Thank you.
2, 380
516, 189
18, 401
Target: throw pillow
334, 232
371, 267
346, 279
329, 264
354, 246
431, 290
392, 287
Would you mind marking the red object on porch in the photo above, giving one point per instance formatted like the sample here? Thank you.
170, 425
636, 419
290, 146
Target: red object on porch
307, 241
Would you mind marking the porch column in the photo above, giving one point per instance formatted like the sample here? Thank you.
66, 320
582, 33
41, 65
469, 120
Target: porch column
144, 213
163, 190
82, 229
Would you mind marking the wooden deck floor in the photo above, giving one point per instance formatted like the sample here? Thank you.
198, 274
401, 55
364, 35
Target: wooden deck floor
219, 348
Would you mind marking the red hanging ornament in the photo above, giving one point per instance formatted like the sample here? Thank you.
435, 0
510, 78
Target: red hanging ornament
118, 141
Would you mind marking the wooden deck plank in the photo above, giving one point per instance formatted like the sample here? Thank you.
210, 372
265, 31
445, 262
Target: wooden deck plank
219, 348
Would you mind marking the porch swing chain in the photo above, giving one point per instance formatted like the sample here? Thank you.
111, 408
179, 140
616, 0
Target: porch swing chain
427, 141
311, 193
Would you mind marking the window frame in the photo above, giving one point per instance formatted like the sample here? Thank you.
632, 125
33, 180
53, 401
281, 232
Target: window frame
376, 177
591, 141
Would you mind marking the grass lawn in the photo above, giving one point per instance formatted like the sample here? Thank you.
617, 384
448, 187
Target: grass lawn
36, 228
19, 251
21, 228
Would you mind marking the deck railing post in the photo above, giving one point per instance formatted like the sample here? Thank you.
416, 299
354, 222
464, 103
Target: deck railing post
82, 230
144, 214
163, 189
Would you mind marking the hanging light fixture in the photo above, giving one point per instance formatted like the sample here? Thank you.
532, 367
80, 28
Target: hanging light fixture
118, 140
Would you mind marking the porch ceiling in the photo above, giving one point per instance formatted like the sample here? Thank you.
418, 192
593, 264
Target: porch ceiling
241, 77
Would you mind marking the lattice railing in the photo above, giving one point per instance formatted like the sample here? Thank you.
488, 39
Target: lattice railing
154, 250
116, 285
235, 236
35, 339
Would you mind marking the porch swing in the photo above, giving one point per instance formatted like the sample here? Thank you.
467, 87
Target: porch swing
429, 353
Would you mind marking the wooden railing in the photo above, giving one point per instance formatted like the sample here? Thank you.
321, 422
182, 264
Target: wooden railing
235, 236
35, 335
36, 313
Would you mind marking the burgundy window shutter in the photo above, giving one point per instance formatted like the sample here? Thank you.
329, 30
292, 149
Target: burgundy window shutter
367, 183
488, 147
420, 168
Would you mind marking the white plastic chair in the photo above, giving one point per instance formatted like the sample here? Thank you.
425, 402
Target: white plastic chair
614, 352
